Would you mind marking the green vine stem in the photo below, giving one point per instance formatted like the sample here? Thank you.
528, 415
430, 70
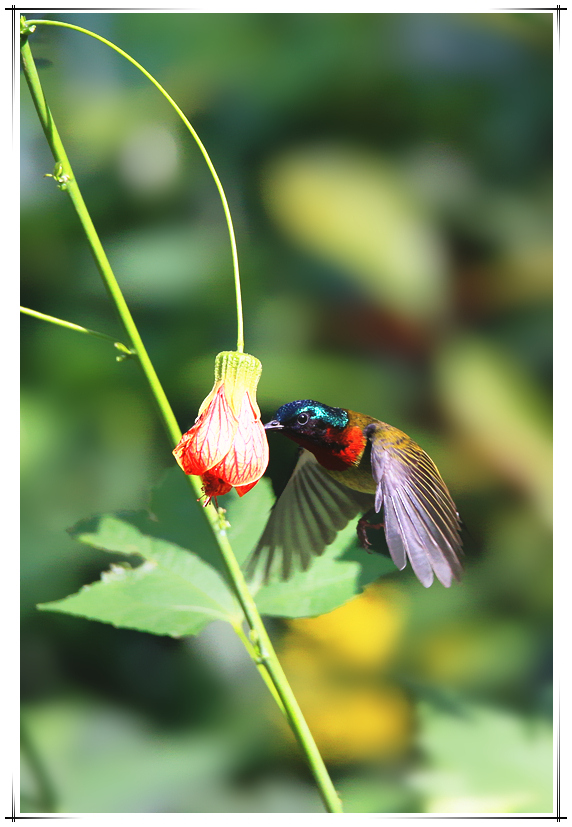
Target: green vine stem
29, 26
260, 647
125, 352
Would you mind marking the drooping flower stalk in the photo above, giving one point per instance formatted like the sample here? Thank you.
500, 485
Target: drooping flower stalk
27, 27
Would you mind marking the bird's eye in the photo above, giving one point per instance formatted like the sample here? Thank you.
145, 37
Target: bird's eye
302, 418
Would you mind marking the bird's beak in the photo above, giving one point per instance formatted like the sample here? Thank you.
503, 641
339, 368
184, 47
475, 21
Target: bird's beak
273, 425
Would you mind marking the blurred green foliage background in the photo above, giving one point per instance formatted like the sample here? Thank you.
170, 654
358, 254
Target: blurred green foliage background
390, 180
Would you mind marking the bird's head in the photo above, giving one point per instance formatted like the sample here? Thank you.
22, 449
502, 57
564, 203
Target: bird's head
307, 420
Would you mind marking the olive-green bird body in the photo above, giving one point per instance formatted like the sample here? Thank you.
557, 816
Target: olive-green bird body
352, 463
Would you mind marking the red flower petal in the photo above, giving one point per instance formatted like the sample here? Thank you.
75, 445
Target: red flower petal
210, 438
247, 458
241, 490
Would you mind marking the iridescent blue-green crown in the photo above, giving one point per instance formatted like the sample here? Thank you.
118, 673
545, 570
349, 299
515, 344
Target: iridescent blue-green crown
336, 417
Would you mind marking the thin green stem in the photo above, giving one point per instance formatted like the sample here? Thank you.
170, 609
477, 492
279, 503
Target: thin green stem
261, 646
240, 325
65, 175
255, 657
78, 328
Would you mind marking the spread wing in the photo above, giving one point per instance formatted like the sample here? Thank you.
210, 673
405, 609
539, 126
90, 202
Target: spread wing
420, 518
306, 518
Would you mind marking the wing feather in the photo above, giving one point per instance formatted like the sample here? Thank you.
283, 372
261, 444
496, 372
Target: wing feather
420, 518
435, 537
306, 518
418, 557
422, 542
393, 534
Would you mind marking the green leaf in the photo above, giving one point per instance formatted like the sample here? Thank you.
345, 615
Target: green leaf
177, 592
247, 517
485, 760
341, 572
173, 592
338, 575
176, 518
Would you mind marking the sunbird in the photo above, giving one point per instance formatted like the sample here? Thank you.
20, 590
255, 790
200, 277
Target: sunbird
350, 464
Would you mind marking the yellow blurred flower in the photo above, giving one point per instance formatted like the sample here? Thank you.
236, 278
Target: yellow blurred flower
333, 664
359, 723
362, 633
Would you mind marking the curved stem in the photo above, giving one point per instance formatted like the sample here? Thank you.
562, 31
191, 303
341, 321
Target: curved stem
240, 325
65, 174
261, 648
78, 328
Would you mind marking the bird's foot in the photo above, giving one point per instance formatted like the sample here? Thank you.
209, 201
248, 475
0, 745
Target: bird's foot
362, 527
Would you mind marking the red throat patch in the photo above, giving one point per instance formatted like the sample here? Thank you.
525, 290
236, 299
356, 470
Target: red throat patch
353, 445
337, 451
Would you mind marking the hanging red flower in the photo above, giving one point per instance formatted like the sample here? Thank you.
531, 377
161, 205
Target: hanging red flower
227, 445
